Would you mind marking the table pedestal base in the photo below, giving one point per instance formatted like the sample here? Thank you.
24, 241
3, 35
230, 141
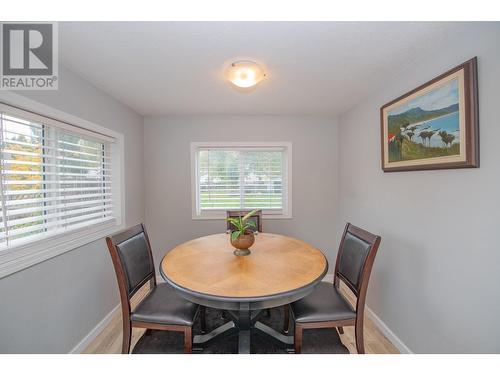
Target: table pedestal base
244, 322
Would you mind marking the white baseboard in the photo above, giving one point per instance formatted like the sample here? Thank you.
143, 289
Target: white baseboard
328, 278
391, 336
80, 347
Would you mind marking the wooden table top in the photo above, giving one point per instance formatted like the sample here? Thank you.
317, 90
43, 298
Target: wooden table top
277, 264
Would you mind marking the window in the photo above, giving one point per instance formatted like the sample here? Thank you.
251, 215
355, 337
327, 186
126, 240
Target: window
55, 179
241, 176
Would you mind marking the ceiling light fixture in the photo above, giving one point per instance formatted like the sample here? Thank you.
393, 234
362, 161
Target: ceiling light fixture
244, 74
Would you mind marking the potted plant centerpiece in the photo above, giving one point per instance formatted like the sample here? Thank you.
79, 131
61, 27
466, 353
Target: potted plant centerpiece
242, 234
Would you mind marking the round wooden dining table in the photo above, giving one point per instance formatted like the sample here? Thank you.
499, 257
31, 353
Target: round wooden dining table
278, 271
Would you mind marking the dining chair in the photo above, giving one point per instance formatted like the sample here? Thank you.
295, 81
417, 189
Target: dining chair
326, 307
256, 218
161, 308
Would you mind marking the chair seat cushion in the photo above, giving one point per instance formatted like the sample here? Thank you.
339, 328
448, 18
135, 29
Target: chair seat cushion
164, 306
324, 304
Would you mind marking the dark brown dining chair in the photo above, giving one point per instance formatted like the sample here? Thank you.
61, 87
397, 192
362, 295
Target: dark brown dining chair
162, 308
255, 218
326, 307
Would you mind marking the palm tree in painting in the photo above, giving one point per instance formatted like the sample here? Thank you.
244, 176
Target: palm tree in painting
430, 134
451, 138
446, 138
443, 134
423, 136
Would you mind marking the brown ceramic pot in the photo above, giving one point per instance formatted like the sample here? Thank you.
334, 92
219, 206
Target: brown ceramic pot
242, 243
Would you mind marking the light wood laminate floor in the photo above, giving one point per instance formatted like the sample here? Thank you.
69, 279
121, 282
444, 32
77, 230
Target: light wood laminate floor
109, 341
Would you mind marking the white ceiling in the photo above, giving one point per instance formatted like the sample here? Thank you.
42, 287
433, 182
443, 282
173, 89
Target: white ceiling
313, 68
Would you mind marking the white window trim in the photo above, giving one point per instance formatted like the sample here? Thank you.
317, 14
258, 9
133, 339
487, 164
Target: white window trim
19, 257
287, 177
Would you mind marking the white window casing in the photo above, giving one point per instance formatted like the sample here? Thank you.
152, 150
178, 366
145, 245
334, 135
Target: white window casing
242, 176
61, 185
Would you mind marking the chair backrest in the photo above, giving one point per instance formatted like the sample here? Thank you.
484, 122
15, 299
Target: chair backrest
355, 258
256, 218
133, 260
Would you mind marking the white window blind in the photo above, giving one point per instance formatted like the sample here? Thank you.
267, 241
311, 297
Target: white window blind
241, 178
53, 179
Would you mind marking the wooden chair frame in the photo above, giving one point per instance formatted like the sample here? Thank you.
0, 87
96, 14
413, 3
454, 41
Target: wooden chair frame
125, 296
359, 292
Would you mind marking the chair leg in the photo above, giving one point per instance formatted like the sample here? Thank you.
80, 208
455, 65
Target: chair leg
341, 330
188, 340
360, 344
286, 321
203, 319
127, 334
297, 340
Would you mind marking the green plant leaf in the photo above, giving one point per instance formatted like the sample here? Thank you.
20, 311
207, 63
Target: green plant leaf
235, 235
250, 214
249, 226
234, 221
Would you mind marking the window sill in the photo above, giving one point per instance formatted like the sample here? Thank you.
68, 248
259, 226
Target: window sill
219, 217
15, 259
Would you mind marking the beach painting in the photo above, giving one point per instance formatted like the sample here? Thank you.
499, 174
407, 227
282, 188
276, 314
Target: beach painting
432, 127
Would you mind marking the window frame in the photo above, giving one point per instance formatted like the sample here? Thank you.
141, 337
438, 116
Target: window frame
286, 211
19, 257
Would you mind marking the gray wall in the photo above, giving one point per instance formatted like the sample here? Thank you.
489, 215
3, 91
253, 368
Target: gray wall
167, 169
435, 280
51, 306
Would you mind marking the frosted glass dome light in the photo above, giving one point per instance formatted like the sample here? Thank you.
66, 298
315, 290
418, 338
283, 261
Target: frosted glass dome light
244, 74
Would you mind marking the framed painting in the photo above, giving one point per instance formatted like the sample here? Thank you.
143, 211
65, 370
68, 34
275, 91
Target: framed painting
434, 126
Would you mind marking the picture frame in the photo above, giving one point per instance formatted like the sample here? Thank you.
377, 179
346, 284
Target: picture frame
434, 126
